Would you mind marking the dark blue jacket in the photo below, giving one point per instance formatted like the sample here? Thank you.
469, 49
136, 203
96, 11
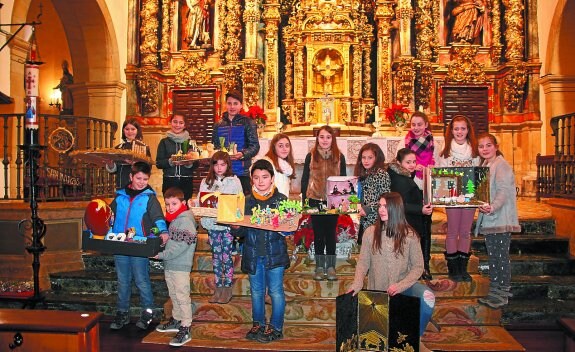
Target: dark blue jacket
141, 212
275, 244
243, 131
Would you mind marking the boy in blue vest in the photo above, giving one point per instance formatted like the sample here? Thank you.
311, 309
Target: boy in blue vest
136, 208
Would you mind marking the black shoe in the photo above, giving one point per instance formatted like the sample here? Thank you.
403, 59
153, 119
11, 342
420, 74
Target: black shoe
121, 319
181, 337
270, 334
255, 332
426, 275
463, 261
171, 325
145, 319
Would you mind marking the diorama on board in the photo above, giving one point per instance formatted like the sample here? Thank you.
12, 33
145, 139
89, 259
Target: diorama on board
456, 186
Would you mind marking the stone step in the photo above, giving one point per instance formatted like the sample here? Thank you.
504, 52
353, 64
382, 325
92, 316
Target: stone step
540, 311
543, 287
300, 285
323, 338
534, 265
528, 244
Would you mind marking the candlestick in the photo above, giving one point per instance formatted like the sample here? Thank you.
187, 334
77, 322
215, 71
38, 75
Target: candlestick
376, 109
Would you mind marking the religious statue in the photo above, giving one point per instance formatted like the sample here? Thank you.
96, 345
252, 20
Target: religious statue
468, 20
67, 99
198, 14
328, 69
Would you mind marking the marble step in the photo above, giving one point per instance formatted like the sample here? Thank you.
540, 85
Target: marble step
323, 338
534, 264
543, 287
528, 244
300, 285
541, 311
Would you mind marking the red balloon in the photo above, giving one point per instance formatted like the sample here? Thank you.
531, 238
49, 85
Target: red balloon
97, 217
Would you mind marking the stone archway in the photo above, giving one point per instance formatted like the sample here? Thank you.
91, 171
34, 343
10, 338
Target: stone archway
94, 49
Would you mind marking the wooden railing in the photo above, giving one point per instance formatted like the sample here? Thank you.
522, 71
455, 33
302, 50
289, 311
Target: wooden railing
60, 177
556, 173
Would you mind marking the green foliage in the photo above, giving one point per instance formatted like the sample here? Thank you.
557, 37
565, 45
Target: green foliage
470, 187
289, 204
353, 199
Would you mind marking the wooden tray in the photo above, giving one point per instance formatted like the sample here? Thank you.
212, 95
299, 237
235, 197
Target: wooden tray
104, 156
285, 227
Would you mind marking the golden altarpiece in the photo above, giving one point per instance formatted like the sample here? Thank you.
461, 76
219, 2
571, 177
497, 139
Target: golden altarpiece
311, 62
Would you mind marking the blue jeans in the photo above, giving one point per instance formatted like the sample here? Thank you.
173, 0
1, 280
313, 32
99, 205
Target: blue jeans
426, 306
137, 268
273, 280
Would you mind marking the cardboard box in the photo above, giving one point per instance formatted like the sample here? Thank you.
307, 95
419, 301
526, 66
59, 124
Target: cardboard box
375, 321
231, 207
339, 189
150, 248
456, 186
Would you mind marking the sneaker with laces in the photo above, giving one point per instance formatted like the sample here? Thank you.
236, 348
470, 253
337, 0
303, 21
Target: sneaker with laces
145, 319
270, 334
172, 325
181, 337
121, 319
255, 332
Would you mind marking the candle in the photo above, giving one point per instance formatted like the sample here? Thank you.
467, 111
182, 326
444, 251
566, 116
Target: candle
279, 113
376, 113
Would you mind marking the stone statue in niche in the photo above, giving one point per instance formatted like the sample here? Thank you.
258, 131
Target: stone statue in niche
468, 16
197, 26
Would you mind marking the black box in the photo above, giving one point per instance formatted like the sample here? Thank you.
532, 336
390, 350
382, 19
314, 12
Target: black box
150, 248
375, 321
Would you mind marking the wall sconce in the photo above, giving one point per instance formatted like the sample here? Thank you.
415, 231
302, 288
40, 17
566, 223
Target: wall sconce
56, 99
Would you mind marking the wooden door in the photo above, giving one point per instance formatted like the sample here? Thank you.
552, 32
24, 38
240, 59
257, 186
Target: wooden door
198, 106
471, 101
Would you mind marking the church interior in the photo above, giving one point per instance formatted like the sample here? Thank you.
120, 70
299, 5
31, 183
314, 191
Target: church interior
85, 66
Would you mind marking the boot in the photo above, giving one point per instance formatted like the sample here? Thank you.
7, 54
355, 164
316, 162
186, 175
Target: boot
452, 266
319, 267
426, 250
216, 296
226, 295
463, 260
330, 264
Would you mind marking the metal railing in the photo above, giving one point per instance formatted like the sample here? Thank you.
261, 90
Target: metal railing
556, 173
60, 176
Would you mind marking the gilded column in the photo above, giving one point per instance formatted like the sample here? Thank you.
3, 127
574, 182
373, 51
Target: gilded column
383, 15
233, 31
132, 33
149, 33
404, 12
251, 18
426, 43
514, 31
271, 17
289, 75
356, 67
366, 71
496, 46
223, 28
533, 62
166, 29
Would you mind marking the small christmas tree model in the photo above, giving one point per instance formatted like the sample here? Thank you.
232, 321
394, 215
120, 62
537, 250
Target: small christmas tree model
470, 187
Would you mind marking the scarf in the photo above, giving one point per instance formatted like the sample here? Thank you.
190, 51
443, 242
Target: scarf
325, 153
179, 137
460, 151
259, 195
423, 148
285, 167
172, 216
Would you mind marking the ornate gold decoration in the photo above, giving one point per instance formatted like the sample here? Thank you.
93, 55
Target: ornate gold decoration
271, 18
61, 140
232, 41
222, 26
384, 14
423, 93
366, 71
298, 68
357, 72
149, 33
496, 47
147, 92
232, 77
251, 78
514, 31
514, 88
463, 68
405, 77
426, 39
251, 18
166, 29
404, 13
193, 72
289, 75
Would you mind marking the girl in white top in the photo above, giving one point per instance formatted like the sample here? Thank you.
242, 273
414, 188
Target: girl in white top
460, 151
280, 155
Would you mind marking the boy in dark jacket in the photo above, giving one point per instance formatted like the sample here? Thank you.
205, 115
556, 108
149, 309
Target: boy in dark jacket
136, 207
265, 258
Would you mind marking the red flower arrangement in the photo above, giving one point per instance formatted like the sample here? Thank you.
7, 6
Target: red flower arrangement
257, 114
397, 114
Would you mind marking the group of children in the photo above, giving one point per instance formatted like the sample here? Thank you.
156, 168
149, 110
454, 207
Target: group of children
395, 224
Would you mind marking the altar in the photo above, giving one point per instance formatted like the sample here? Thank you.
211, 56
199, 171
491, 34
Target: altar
349, 146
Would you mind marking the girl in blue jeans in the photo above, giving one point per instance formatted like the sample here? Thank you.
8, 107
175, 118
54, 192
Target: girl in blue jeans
265, 258
391, 257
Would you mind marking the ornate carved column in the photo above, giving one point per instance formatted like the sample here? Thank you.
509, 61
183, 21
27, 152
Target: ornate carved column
251, 19
426, 43
496, 46
251, 79
533, 62
366, 71
383, 16
271, 19
222, 26
298, 74
404, 79
404, 12
149, 33
232, 43
289, 75
132, 33
356, 69
514, 53
166, 29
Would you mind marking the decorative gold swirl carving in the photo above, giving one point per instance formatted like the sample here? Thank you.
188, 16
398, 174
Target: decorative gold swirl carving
251, 79
271, 74
271, 16
405, 77
232, 77
367, 71
289, 75
464, 68
422, 95
298, 66
232, 41
356, 67
514, 32
193, 72
495, 22
222, 25
515, 86
147, 92
425, 40
149, 33
166, 29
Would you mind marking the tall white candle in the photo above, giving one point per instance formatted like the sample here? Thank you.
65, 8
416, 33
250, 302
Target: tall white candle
279, 113
376, 113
